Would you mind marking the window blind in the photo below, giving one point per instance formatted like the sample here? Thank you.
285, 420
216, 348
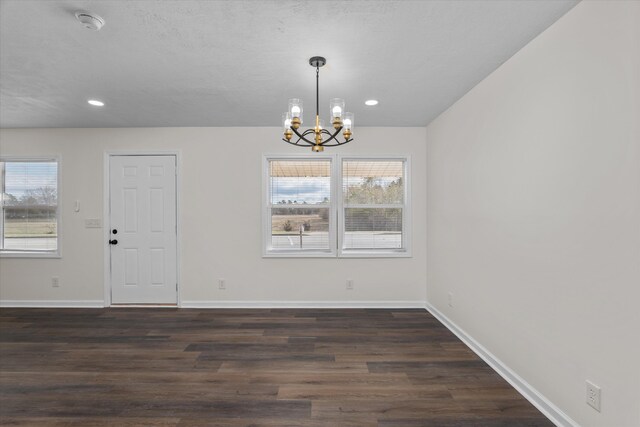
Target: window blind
373, 195
29, 206
300, 204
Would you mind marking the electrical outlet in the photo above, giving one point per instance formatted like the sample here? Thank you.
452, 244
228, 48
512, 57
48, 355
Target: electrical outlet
450, 299
349, 284
593, 395
222, 284
55, 282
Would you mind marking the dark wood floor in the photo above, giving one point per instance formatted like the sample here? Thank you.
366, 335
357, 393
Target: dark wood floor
170, 367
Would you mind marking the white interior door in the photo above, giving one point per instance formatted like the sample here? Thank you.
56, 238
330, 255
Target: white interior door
143, 242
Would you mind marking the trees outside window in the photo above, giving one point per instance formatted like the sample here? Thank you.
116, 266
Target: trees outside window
373, 205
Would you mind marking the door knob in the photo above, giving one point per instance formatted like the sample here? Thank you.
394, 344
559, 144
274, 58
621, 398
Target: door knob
114, 231
113, 242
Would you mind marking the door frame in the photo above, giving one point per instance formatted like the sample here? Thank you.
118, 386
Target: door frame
107, 217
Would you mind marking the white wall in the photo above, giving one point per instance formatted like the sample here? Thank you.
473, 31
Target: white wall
533, 212
221, 219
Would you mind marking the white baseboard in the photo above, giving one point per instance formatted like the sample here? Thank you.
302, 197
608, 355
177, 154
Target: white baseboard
52, 303
544, 405
221, 304
302, 304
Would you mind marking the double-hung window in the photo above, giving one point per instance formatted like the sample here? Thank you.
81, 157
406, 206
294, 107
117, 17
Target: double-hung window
30, 217
327, 206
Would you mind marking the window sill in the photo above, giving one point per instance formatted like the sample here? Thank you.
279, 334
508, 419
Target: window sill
309, 254
10, 254
375, 254
349, 254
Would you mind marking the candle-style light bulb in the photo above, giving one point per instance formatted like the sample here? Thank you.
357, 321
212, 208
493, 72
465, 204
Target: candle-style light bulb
286, 123
347, 125
348, 122
336, 106
295, 109
286, 120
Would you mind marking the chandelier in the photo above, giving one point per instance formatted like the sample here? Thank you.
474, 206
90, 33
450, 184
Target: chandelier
317, 137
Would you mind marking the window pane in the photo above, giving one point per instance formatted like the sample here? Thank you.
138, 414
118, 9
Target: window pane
288, 222
373, 181
373, 228
30, 206
300, 182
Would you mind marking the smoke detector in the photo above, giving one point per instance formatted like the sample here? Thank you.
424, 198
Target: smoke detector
90, 20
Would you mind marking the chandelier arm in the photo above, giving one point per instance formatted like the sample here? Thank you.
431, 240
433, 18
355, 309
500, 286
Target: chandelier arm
337, 143
297, 143
302, 136
332, 137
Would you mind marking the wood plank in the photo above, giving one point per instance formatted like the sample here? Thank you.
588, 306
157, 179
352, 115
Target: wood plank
231, 368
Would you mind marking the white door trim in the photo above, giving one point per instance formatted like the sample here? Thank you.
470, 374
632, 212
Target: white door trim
106, 214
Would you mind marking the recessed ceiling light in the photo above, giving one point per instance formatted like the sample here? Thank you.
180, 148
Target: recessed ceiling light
371, 102
96, 103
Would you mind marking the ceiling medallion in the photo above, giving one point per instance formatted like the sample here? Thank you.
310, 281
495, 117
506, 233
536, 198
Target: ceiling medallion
317, 137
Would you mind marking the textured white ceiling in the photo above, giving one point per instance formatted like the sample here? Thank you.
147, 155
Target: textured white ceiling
236, 63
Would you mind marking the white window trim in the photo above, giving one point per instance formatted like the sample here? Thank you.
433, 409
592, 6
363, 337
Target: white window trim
336, 224
268, 252
405, 252
38, 254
